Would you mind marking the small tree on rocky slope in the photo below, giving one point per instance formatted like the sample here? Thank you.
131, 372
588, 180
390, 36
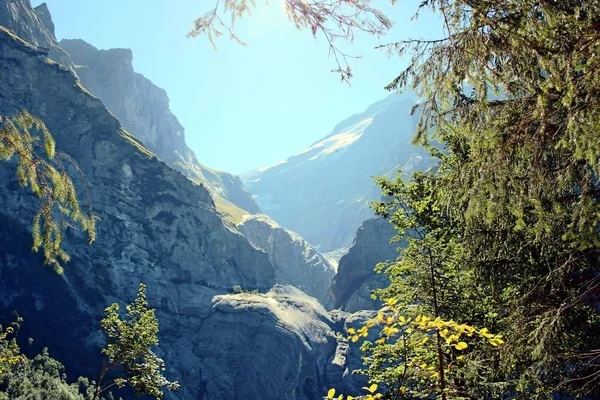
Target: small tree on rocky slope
129, 350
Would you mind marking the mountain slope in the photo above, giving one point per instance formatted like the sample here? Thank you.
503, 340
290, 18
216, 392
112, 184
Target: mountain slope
143, 109
295, 261
158, 227
324, 192
155, 226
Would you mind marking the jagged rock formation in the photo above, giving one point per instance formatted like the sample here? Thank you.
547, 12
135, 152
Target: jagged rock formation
295, 261
143, 109
158, 227
355, 279
155, 226
35, 25
324, 192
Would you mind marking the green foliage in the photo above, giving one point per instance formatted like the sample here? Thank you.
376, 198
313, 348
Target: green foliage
504, 232
27, 139
129, 347
9, 352
39, 378
42, 377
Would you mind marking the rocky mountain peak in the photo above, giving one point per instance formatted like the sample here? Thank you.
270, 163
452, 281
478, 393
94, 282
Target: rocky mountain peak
43, 14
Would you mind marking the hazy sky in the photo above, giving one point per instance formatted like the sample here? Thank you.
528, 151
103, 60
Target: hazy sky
242, 107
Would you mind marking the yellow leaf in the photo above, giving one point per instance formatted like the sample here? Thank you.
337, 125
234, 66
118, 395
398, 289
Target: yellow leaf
331, 393
351, 331
349, 398
496, 342
461, 346
371, 388
340, 397
402, 319
354, 338
484, 332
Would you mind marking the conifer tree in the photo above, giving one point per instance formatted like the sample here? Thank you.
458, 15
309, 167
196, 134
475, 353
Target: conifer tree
129, 350
26, 139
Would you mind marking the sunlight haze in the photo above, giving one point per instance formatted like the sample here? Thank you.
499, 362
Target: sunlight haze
243, 107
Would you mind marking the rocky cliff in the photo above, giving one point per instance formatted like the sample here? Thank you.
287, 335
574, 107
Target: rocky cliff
35, 25
324, 192
356, 279
295, 261
155, 226
143, 109
158, 227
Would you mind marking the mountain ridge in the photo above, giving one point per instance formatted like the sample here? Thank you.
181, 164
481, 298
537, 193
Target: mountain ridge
324, 192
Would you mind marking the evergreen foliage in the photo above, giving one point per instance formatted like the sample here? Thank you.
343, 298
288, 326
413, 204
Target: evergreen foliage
504, 232
42, 377
38, 166
129, 349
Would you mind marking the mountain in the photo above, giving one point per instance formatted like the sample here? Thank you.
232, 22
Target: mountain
295, 261
34, 25
356, 277
155, 225
323, 193
143, 109
159, 227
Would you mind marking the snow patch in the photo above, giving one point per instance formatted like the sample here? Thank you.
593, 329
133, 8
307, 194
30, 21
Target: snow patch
263, 169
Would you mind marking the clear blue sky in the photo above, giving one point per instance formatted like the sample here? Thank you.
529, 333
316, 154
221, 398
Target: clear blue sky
242, 107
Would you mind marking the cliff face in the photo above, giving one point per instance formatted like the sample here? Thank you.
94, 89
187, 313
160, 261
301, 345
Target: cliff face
279, 348
143, 110
158, 227
35, 26
155, 226
295, 261
355, 279
324, 192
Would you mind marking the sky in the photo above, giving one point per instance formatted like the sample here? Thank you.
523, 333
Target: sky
243, 107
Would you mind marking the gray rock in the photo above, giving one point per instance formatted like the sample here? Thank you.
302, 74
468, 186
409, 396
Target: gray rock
355, 278
278, 344
155, 226
143, 110
44, 15
324, 192
295, 261
19, 17
33, 26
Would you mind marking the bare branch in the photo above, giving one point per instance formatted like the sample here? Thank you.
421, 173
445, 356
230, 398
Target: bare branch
334, 19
